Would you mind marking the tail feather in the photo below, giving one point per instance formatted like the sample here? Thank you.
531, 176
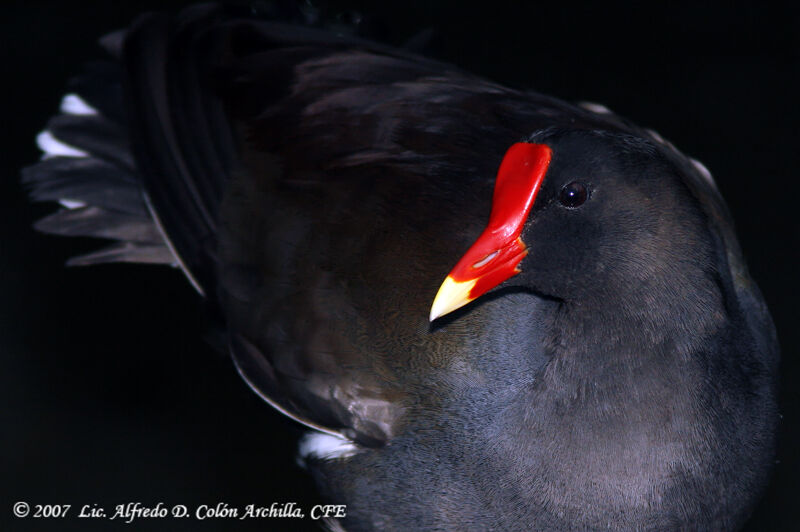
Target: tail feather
127, 252
99, 223
88, 168
87, 181
101, 85
95, 135
141, 149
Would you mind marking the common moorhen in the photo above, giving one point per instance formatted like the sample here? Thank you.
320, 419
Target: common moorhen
617, 368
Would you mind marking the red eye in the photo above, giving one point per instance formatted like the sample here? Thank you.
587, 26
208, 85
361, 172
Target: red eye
573, 195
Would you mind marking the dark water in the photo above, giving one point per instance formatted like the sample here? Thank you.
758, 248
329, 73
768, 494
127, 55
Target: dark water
109, 394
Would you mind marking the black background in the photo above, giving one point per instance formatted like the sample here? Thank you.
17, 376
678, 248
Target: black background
109, 393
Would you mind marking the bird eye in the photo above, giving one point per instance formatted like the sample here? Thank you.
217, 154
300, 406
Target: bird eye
573, 195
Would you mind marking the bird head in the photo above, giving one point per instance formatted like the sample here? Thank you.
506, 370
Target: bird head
573, 209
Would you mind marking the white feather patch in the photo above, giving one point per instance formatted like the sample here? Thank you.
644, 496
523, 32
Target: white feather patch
326, 446
71, 204
595, 108
72, 104
53, 147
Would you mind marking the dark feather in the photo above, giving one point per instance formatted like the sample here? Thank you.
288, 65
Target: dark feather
100, 223
156, 253
105, 181
86, 179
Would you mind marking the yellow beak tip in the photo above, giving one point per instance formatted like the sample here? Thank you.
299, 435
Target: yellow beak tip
451, 296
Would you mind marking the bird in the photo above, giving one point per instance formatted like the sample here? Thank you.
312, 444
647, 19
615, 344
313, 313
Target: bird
491, 309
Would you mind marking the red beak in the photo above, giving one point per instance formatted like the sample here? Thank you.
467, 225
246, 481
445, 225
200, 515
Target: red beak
495, 256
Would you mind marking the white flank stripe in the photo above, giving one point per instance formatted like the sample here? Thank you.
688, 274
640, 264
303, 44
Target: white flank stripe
72, 104
326, 446
53, 147
71, 204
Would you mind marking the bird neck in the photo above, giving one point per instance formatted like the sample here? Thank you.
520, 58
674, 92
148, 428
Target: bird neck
634, 332
623, 402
